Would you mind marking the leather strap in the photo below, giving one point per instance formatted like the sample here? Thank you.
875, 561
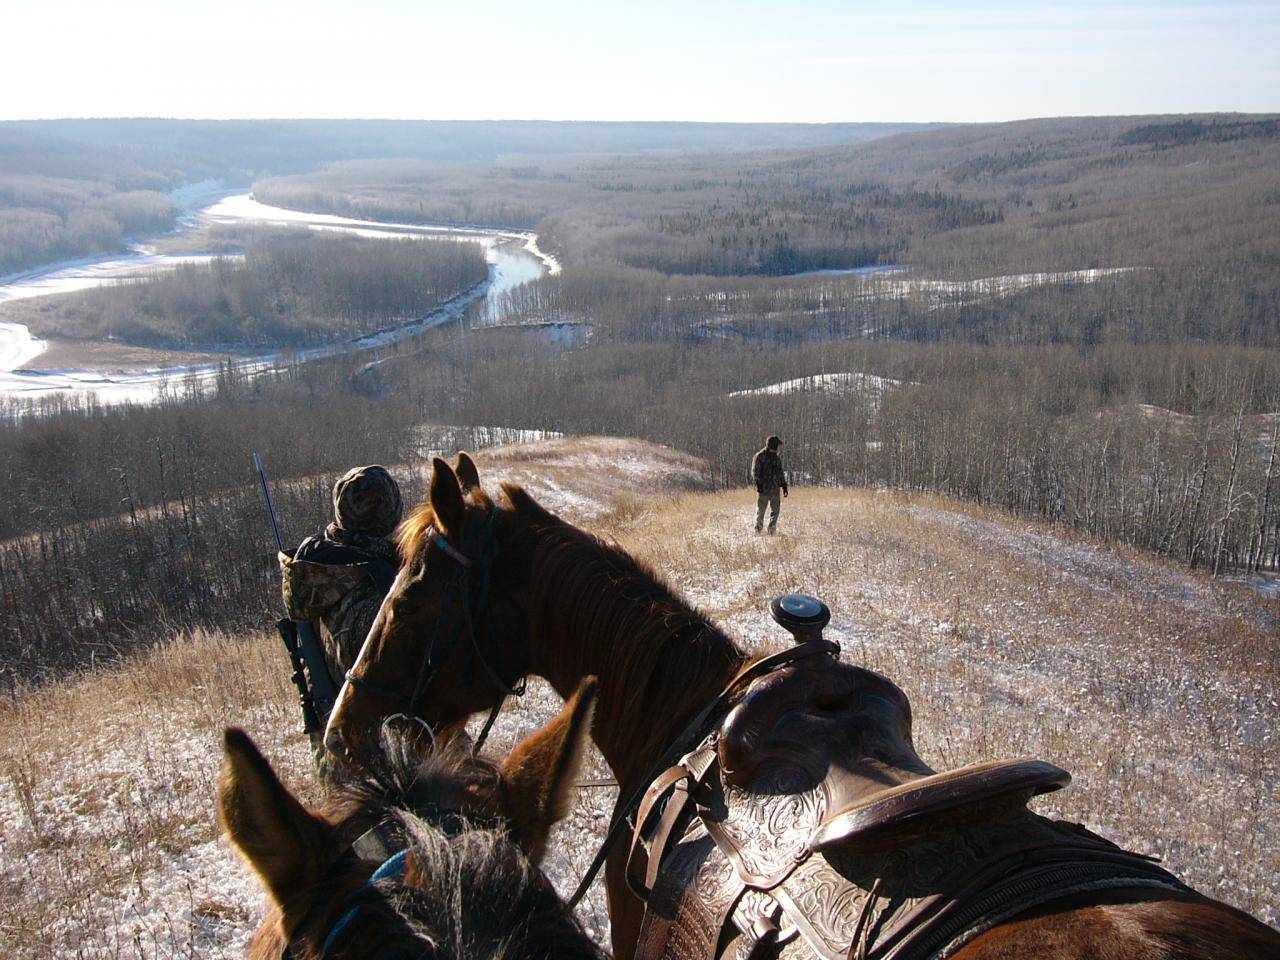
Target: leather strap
657, 790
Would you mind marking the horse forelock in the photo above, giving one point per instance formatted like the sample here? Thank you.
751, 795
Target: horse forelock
522, 915
411, 535
395, 781
450, 863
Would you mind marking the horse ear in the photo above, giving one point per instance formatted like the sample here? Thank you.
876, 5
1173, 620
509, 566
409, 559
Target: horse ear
540, 772
284, 843
468, 475
446, 499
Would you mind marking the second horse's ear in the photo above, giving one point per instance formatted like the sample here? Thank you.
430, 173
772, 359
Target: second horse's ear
446, 500
468, 475
540, 772
286, 845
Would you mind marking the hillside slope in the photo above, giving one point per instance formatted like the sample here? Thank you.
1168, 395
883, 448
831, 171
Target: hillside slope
1157, 687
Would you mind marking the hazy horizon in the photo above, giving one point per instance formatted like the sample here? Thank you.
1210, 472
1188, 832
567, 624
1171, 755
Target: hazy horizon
820, 61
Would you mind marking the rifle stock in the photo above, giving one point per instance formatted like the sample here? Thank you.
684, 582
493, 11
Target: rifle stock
323, 695
289, 634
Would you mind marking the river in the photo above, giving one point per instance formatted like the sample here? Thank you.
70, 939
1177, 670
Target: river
513, 256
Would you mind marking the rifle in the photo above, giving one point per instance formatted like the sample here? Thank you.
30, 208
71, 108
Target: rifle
310, 672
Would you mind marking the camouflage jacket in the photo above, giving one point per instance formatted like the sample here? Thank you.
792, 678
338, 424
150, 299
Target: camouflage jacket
766, 471
343, 596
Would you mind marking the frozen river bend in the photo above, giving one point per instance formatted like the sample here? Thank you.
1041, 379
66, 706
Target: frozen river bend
514, 258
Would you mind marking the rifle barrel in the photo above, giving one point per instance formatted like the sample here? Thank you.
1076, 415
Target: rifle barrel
266, 494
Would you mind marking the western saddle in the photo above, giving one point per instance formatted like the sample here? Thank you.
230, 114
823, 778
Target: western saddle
805, 819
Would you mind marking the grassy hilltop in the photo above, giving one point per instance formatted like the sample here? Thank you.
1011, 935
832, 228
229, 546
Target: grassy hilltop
1155, 686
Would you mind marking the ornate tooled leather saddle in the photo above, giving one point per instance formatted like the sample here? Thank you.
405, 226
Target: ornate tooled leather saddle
806, 821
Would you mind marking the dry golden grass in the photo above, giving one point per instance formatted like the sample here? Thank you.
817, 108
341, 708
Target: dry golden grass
106, 782
1155, 686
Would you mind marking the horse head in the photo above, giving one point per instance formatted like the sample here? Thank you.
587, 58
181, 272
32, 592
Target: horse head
443, 644
419, 855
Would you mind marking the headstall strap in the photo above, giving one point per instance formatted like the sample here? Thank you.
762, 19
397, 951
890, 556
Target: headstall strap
374, 844
392, 868
471, 593
449, 549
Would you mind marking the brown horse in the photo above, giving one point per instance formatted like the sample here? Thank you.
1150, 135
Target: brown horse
421, 858
556, 602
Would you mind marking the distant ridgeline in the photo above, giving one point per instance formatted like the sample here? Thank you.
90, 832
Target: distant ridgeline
74, 187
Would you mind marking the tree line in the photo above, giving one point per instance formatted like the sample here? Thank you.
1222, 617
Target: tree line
1201, 212
121, 524
291, 288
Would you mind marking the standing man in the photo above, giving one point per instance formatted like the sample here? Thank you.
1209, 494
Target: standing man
770, 479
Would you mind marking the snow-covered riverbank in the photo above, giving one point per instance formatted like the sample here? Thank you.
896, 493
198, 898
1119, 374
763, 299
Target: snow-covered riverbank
513, 255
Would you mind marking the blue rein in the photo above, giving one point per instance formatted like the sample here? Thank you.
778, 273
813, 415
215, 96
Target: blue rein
392, 869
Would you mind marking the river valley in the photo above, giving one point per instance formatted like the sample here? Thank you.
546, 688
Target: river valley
513, 256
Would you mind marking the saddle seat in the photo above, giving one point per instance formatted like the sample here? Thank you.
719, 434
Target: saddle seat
807, 816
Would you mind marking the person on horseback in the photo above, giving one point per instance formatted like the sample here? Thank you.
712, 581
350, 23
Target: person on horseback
770, 480
341, 576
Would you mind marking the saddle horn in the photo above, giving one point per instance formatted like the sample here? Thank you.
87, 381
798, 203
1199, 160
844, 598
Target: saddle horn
802, 616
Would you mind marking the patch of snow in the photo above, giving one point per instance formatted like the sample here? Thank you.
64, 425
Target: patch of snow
866, 385
243, 208
851, 271
72, 275
438, 439
18, 346
196, 194
1267, 584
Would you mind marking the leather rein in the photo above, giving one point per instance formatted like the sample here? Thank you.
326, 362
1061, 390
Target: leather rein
468, 588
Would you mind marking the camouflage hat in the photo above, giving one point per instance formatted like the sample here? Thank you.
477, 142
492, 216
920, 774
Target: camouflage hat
367, 500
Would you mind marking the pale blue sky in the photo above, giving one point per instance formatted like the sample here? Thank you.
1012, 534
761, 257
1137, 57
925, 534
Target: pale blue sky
805, 60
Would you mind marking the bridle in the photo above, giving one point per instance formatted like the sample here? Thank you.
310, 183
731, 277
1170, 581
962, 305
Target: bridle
393, 868
469, 590
373, 844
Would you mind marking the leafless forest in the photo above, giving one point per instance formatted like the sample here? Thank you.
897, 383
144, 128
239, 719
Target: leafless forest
84, 187
1083, 331
291, 288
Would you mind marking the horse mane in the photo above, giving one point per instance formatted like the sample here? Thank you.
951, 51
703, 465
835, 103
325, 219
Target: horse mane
648, 643
396, 782
454, 863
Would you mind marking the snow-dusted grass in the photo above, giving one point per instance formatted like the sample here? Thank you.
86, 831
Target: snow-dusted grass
1156, 687
106, 803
